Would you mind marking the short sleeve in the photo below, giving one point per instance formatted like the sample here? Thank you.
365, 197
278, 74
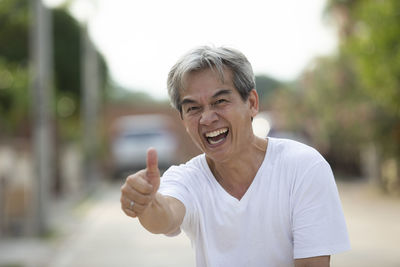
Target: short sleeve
175, 183
318, 223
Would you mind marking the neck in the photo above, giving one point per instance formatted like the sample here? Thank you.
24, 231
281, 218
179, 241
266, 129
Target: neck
237, 174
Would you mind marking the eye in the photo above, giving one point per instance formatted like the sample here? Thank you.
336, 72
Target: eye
191, 109
220, 101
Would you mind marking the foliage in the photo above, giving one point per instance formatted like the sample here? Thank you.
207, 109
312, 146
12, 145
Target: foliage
370, 31
14, 22
13, 66
375, 49
13, 97
332, 112
266, 86
14, 72
67, 57
347, 101
66, 32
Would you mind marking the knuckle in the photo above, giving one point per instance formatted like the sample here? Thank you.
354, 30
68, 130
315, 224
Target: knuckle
124, 191
129, 179
123, 187
130, 176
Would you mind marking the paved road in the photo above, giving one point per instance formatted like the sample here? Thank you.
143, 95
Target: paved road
373, 221
103, 236
107, 237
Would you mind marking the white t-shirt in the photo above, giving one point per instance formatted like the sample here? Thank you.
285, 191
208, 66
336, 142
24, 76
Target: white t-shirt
291, 210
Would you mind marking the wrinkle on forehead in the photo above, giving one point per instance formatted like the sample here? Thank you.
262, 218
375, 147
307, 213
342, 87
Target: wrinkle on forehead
215, 69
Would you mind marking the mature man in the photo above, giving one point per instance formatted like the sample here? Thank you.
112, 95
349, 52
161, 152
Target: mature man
245, 201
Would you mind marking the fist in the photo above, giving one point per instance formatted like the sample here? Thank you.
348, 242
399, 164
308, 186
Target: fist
139, 189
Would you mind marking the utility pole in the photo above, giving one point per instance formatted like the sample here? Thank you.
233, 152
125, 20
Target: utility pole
90, 109
41, 95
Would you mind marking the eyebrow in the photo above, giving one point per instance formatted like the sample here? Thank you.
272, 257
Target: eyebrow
217, 94
187, 101
222, 92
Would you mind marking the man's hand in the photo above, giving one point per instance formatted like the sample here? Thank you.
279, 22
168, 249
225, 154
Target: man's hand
139, 198
139, 189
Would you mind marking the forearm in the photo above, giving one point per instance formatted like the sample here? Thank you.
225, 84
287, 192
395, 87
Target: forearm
159, 216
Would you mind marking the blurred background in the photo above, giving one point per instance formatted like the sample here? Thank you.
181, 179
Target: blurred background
83, 95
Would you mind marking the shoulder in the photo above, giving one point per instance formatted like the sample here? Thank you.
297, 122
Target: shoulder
294, 153
298, 162
186, 171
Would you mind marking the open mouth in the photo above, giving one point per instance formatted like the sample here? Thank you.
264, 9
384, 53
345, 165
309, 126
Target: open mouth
217, 136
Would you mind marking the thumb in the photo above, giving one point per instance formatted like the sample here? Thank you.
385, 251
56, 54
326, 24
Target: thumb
152, 171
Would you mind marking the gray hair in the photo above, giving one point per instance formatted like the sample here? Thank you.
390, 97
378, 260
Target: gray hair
215, 58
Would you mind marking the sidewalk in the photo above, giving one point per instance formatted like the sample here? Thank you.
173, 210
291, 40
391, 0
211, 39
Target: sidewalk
97, 233
373, 221
107, 237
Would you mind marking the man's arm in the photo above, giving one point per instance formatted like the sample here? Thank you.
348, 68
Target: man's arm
157, 213
164, 215
321, 261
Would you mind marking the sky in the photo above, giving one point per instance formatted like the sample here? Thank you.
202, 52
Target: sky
141, 40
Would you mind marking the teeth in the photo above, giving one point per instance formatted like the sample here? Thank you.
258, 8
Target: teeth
215, 142
217, 132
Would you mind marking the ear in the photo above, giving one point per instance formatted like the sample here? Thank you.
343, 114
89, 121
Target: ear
253, 103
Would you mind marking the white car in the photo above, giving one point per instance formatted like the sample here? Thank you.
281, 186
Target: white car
135, 134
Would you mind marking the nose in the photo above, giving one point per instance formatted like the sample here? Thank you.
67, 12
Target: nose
208, 117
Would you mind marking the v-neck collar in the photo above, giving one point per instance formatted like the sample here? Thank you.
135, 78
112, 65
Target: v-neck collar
228, 197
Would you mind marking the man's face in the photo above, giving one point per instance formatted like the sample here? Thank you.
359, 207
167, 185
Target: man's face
215, 116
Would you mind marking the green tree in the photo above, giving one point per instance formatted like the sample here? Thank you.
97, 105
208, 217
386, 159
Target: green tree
337, 114
265, 86
13, 98
373, 44
369, 33
14, 59
13, 66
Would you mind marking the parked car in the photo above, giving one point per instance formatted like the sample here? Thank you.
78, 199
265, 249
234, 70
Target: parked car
134, 135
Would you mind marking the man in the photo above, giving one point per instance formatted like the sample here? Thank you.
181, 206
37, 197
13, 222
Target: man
245, 201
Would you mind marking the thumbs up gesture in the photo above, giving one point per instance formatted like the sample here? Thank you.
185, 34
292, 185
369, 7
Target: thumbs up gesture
139, 189
152, 171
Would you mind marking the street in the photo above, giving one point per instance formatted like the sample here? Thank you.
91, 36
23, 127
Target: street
373, 221
107, 237
99, 234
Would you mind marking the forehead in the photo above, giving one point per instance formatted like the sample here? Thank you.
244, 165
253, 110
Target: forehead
198, 82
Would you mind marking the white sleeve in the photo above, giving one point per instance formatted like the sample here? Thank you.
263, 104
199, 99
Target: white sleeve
174, 183
318, 223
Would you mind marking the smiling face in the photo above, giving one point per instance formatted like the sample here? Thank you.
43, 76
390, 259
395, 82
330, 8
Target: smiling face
215, 116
